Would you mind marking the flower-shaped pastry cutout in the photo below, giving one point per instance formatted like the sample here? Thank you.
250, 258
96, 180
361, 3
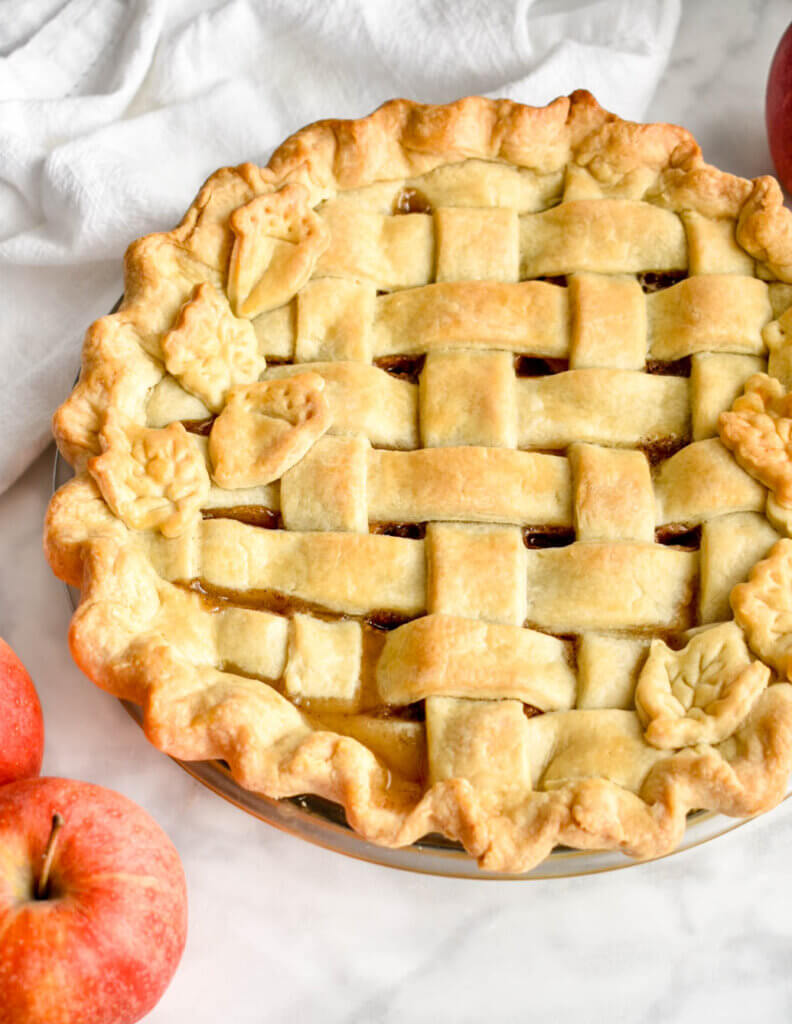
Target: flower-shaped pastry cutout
266, 428
758, 429
210, 350
151, 479
279, 239
763, 607
701, 693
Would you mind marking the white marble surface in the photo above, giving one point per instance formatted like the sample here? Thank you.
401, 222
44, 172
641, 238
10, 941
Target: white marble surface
282, 931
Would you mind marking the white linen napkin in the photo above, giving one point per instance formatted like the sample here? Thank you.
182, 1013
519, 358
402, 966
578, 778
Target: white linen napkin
112, 113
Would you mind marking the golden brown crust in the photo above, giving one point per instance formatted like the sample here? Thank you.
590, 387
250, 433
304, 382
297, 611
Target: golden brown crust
764, 228
263, 272
758, 429
151, 479
209, 350
122, 636
266, 427
702, 693
762, 606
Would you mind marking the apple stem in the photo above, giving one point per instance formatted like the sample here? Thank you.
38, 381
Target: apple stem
49, 854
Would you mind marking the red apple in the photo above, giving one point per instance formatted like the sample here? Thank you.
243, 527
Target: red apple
778, 109
93, 911
21, 724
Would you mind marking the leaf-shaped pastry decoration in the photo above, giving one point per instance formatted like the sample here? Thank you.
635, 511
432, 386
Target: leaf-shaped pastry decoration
763, 607
151, 479
699, 694
266, 428
210, 350
278, 240
758, 429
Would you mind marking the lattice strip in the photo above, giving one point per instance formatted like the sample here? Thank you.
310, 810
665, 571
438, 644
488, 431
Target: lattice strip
568, 746
614, 407
468, 398
478, 183
730, 546
608, 667
495, 485
365, 400
715, 381
476, 571
611, 586
712, 246
606, 236
441, 655
528, 318
477, 245
612, 494
343, 572
390, 252
711, 313
608, 322
702, 481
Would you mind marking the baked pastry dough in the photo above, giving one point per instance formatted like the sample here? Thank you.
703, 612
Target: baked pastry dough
151, 479
442, 468
265, 428
210, 350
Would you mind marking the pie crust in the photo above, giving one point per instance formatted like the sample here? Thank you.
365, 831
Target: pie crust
442, 468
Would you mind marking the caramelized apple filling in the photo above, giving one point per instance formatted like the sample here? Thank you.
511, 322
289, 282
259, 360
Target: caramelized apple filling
412, 531
217, 598
679, 535
411, 200
652, 281
663, 448
374, 626
405, 367
547, 536
530, 366
672, 368
408, 713
201, 427
253, 515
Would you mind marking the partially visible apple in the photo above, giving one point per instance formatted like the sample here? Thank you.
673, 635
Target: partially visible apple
93, 905
778, 109
21, 723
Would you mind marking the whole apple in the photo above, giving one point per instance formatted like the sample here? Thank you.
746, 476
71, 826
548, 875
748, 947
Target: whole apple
778, 110
21, 723
93, 905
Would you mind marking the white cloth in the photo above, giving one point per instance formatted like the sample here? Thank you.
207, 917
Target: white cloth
112, 113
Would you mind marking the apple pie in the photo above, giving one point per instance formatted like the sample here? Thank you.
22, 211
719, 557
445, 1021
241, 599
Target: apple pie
442, 468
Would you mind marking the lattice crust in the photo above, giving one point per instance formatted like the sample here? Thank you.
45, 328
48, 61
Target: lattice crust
424, 468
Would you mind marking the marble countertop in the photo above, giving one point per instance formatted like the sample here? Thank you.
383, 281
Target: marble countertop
284, 931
